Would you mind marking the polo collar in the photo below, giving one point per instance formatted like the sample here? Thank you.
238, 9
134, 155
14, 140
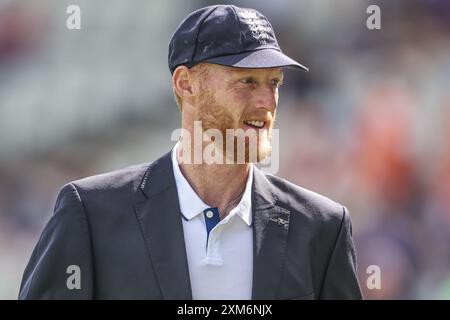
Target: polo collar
190, 203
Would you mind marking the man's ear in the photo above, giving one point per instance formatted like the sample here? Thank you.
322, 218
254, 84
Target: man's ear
182, 82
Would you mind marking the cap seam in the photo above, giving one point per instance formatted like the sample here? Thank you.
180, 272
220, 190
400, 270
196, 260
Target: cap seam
198, 32
237, 18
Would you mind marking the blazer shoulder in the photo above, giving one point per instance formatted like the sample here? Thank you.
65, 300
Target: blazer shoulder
310, 204
126, 178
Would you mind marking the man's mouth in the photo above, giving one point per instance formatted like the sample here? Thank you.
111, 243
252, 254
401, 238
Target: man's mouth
257, 124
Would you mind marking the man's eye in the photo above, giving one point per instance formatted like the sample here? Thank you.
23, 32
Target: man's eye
276, 83
248, 81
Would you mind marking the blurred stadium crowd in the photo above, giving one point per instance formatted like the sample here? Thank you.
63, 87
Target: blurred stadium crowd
368, 126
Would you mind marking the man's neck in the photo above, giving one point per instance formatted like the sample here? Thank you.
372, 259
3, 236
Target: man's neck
218, 185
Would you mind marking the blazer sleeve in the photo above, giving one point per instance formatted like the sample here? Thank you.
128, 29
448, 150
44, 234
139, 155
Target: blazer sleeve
340, 280
61, 265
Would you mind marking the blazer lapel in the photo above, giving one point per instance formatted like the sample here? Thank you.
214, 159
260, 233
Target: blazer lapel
157, 210
270, 230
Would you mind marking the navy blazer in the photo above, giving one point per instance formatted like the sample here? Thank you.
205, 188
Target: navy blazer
123, 230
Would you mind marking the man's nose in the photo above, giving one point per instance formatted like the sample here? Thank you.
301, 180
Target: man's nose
267, 97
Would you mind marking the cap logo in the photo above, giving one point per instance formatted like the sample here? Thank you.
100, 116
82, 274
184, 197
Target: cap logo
258, 26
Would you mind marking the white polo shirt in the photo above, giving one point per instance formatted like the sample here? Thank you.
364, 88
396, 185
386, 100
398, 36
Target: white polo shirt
219, 253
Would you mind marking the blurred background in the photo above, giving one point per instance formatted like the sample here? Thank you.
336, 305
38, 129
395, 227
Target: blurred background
368, 126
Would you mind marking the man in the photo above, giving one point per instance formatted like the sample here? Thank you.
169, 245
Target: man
185, 229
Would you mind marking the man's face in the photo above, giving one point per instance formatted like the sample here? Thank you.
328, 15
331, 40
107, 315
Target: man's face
239, 98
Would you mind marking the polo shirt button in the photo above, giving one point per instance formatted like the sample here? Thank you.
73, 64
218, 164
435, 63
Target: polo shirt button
209, 214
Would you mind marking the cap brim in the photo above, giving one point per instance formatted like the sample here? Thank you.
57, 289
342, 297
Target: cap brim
263, 58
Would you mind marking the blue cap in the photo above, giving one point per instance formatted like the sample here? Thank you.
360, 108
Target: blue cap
227, 35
